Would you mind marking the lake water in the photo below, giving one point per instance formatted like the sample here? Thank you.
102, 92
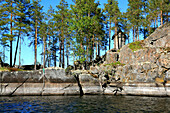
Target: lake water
85, 104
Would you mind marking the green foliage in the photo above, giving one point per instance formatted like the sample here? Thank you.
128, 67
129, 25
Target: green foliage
86, 27
82, 60
78, 30
115, 64
3, 69
136, 45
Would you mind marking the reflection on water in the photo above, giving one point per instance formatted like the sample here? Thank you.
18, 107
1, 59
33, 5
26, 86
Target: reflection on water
85, 104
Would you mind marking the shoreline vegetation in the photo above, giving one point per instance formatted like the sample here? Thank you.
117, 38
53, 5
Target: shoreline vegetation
80, 31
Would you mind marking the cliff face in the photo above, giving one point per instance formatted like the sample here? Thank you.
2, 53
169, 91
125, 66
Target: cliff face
143, 61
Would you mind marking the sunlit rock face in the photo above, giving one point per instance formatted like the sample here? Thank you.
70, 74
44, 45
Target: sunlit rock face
147, 64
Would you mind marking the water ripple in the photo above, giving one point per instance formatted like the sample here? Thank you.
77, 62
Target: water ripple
85, 104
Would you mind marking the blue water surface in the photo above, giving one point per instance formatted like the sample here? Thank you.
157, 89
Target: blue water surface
85, 104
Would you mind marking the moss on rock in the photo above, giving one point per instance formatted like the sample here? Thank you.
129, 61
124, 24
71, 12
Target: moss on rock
136, 45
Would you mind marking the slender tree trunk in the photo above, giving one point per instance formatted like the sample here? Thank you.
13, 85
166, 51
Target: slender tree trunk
155, 23
128, 37
67, 56
11, 38
109, 34
92, 49
20, 53
60, 55
87, 49
3, 53
167, 17
138, 33
133, 34
42, 56
161, 17
116, 36
62, 35
98, 49
17, 47
44, 52
49, 52
35, 62
63, 63
55, 59
161, 14
144, 32
54, 52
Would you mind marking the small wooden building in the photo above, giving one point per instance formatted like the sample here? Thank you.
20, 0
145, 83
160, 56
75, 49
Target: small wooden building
119, 39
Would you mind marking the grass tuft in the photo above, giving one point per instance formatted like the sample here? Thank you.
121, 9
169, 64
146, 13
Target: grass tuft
136, 45
3, 69
115, 64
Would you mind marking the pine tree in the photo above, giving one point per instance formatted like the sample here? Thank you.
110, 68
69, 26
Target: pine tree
84, 26
158, 8
113, 16
36, 17
7, 22
43, 31
61, 17
52, 32
135, 13
22, 22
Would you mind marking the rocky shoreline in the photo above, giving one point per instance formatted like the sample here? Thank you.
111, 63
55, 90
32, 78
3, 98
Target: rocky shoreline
55, 82
139, 68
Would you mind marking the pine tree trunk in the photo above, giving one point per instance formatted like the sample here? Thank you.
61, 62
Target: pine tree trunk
60, 55
44, 53
167, 17
128, 37
87, 50
20, 54
133, 34
11, 38
161, 17
63, 63
67, 56
144, 32
54, 52
116, 36
92, 49
35, 60
138, 33
98, 49
17, 47
3, 53
161, 14
109, 34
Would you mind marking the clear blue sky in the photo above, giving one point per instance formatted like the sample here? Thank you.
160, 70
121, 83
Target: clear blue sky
27, 54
